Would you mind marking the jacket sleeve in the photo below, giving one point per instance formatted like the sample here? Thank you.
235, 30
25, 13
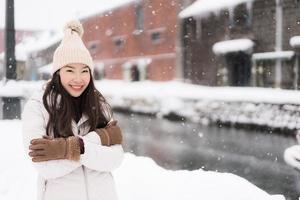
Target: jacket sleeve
101, 158
34, 126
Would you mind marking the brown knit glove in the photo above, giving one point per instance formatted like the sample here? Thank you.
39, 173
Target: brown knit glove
111, 134
45, 149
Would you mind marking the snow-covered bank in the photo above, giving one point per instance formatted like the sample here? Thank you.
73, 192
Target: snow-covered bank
137, 178
265, 107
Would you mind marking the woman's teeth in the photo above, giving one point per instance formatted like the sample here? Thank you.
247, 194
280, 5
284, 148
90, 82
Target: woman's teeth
76, 87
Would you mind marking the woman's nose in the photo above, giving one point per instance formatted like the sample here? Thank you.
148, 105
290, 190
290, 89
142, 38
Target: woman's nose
77, 77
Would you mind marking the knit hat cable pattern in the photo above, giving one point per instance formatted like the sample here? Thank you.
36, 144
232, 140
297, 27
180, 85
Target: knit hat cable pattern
71, 48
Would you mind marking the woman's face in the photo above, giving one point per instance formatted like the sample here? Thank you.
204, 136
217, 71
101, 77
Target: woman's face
75, 78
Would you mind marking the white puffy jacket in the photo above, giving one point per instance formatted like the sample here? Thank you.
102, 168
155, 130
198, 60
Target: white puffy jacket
88, 179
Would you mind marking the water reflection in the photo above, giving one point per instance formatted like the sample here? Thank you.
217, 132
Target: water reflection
255, 155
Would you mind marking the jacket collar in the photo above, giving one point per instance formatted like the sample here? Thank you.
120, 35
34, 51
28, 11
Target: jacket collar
83, 119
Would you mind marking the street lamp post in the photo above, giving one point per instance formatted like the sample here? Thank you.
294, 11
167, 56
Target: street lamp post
11, 105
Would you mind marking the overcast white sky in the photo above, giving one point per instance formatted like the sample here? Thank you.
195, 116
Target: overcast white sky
52, 14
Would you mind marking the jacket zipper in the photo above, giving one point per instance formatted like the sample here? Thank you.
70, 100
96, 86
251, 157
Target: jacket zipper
85, 183
44, 190
85, 177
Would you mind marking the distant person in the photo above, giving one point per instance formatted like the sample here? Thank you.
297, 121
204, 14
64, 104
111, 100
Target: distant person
69, 131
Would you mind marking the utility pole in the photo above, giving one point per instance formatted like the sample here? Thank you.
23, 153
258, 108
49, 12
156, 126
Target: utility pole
11, 105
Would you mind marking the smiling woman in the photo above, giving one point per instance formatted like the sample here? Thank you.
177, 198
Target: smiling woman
75, 78
74, 143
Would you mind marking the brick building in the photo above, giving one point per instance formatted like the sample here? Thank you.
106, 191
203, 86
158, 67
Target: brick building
137, 41
246, 43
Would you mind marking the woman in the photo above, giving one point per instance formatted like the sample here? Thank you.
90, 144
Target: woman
68, 130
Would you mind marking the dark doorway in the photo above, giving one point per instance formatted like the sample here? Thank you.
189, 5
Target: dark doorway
239, 68
135, 74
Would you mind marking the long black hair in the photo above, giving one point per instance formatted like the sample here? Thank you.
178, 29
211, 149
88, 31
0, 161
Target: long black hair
58, 103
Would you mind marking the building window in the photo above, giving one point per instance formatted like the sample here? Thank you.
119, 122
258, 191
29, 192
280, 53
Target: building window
134, 73
94, 46
119, 43
156, 35
139, 17
242, 16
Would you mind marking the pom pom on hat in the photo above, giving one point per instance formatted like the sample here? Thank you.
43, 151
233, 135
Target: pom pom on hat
71, 48
74, 25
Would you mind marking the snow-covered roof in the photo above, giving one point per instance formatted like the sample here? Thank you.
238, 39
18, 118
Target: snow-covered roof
35, 43
52, 14
46, 69
19, 55
284, 55
111, 5
204, 7
43, 41
295, 41
228, 46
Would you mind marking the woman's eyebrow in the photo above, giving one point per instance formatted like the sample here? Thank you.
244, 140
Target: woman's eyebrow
69, 66
74, 67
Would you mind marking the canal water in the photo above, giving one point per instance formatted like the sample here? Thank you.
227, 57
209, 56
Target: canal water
254, 155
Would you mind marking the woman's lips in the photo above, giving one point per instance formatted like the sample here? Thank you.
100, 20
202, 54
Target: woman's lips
76, 87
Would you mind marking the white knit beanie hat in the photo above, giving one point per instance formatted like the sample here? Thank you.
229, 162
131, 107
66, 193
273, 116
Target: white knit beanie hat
71, 48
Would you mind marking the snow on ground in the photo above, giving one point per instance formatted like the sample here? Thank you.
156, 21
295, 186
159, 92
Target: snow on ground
275, 108
174, 89
266, 107
118, 89
137, 178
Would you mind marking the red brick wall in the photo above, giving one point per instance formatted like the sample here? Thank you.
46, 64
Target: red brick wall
105, 28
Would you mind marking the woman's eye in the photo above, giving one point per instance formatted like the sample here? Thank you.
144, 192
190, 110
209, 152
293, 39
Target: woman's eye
68, 70
85, 71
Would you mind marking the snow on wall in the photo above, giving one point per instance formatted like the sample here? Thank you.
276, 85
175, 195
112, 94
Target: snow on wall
205, 7
295, 41
228, 46
273, 55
